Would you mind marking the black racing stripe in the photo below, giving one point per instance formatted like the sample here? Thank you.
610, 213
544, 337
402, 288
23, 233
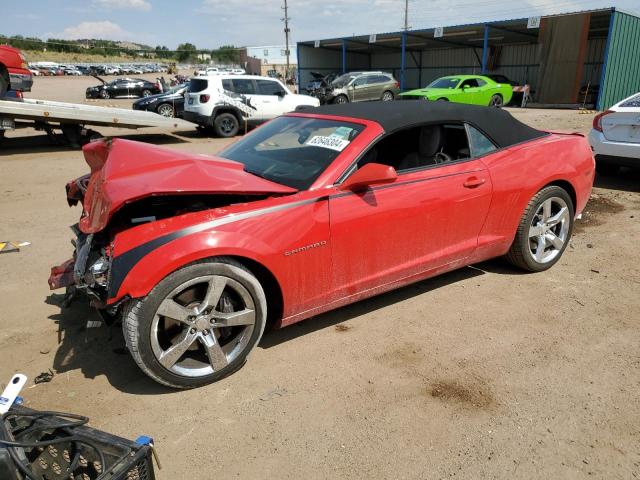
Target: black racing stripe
122, 264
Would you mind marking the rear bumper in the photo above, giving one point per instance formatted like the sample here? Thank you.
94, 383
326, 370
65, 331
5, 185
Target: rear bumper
606, 148
20, 80
197, 118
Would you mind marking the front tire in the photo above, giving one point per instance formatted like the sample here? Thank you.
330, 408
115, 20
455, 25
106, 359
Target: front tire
544, 230
198, 324
146, 93
104, 94
340, 99
226, 125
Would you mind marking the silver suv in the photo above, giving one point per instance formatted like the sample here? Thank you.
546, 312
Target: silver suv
362, 87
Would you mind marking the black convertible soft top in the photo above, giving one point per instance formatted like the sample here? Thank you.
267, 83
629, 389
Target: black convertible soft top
496, 123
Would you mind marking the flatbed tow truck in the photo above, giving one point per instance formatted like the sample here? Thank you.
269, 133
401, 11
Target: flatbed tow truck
72, 119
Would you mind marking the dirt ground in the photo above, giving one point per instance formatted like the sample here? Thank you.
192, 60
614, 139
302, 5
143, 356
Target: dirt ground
480, 373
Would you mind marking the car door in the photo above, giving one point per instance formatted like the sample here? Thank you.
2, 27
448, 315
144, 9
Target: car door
470, 92
429, 218
485, 92
117, 88
359, 89
247, 88
274, 98
375, 86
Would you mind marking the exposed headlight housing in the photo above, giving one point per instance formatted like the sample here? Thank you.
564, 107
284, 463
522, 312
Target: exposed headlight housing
97, 273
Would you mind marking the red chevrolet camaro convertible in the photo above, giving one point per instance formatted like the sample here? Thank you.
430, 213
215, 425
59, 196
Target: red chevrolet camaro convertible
314, 210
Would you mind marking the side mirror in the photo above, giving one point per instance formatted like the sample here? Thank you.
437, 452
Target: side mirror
464, 87
370, 174
281, 93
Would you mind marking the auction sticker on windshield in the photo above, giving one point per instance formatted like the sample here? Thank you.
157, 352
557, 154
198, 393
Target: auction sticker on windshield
333, 143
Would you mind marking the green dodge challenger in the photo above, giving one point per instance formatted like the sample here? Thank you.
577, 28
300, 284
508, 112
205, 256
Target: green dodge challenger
474, 89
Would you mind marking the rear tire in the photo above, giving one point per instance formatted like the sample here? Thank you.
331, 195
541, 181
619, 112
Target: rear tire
387, 96
442, 100
226, 125
146, 93
152, 337
166, 110
496, 101
544, 230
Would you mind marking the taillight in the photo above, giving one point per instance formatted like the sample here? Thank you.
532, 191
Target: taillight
19, 94
597, 120
397, 84
204, 98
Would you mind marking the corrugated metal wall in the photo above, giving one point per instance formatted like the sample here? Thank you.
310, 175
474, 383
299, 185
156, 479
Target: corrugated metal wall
320, 60
622, 71
593, 61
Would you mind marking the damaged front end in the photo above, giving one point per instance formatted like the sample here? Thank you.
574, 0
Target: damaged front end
132, 184
87, 271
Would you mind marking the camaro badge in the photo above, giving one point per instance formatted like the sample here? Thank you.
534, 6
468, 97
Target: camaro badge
321, 243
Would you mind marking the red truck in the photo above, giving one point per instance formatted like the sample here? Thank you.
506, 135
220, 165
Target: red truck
14, 71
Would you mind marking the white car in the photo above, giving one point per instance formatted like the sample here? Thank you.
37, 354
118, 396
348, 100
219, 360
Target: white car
615, 137
224, 102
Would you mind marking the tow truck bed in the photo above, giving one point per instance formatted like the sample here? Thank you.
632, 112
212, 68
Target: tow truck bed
71, 118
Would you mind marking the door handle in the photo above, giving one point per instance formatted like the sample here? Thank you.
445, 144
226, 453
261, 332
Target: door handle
473, 182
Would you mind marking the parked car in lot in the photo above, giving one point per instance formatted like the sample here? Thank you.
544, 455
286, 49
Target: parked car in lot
14, 71
615, 136
72, 71
224, 102
167, 104
361, 87
471, 89
124, 88
501, 79
316, 209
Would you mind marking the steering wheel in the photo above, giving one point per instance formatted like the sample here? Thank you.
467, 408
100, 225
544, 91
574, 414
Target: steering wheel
441, 157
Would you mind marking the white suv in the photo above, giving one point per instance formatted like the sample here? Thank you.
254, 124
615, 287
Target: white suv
224, 102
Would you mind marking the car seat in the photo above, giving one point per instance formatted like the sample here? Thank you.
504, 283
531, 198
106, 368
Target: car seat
429, 149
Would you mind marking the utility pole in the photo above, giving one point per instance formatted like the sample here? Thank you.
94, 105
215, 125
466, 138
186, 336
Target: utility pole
406, 15
287, 30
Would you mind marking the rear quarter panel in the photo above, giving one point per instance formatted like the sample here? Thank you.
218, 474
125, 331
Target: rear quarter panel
519, 172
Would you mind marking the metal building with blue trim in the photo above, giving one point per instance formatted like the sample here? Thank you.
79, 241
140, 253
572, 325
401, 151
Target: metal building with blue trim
588, 57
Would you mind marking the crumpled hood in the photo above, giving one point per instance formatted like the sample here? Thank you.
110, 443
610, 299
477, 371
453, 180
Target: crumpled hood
123, 171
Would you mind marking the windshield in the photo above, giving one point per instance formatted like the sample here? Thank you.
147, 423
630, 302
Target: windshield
343, 79
177, 88
445, 82
292, 151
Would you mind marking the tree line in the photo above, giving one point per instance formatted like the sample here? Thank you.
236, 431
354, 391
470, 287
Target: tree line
186, 52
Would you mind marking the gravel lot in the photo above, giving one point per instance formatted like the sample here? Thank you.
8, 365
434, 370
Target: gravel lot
480, 373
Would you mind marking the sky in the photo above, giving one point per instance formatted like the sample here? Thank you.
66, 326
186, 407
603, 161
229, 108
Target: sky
212, 23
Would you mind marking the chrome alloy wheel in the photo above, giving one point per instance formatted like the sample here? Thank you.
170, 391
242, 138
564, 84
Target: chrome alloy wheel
202, 325
549, 230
